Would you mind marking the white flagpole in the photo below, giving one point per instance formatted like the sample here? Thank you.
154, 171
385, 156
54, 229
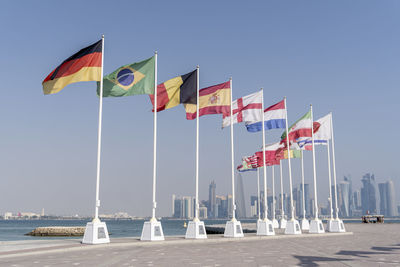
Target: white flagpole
334, 169
153, 218
96, 214
258, 193
273, 192
302, 181
290, 166
232, 158
265, 165
314, 170
197, 147
330, 180
282, 208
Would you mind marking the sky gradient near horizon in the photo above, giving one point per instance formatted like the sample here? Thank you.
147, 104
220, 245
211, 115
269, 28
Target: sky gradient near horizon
341, 56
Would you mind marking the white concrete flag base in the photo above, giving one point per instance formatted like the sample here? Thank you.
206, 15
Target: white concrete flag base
265, 227
292, 228
196, 230
152, 231
282, 223
305, 224
96, 233
275, 223
336, 226
328, 225
316, 227
233, 228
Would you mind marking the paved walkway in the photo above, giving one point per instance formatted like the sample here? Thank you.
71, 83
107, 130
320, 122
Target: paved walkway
370, 245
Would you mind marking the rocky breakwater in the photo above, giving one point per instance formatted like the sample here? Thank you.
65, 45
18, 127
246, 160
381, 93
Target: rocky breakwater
58, 231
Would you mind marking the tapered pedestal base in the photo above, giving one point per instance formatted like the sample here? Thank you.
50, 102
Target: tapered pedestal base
265, 227
336, 226
196, 230
152, 231
233, 228
96, 233
292, 228
316, 227
282, 223
305, 225
275, 223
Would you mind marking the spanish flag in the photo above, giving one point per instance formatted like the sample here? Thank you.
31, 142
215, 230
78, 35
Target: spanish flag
80, 67
215, 99
178, 90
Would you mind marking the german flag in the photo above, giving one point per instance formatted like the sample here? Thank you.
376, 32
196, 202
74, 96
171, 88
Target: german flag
178, 90
80, 67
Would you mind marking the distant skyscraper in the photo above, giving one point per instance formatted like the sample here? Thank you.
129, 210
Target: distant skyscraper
368, 195
351, 203
253, 206
239, 198
345, 196
306, 200
187, 207
212, 201
387, 199
177, 209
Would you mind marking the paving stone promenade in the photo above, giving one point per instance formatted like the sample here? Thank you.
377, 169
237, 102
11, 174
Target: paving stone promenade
367, 245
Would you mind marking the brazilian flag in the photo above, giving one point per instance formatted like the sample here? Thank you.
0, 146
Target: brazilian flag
133, 79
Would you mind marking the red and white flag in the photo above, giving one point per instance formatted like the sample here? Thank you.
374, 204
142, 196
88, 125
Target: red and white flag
247, 108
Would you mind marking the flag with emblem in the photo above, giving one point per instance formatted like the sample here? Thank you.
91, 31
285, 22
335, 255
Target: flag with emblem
133, 79
247, 108
212, 100
85, 65
249, 163
178, 90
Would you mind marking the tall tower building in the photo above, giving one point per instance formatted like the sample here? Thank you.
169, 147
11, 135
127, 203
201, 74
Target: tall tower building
239, 197
387, 199
345, 196
368, 194
212, 200
306, 200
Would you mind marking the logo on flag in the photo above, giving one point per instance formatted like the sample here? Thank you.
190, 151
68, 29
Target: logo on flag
215, 99
127, 77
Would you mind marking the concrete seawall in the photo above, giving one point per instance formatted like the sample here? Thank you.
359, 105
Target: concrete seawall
58, 231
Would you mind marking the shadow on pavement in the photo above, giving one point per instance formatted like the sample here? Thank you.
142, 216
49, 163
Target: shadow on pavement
312, 260
358, 253
384, 248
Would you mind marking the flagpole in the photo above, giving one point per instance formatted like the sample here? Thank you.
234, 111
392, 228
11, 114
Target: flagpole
290, 166
334, 169
232, 160
302, 181
273, 192
153, 218
330, 180
197, 147
258, 193
96, 214
281, 174
265, 162
314, 170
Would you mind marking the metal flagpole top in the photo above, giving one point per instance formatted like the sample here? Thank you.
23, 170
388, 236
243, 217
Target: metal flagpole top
197, 66
155, 52
102, 36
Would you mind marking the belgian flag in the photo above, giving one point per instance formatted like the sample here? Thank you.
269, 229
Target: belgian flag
178, 90
83, 66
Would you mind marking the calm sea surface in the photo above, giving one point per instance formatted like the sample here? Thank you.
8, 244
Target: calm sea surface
15, 229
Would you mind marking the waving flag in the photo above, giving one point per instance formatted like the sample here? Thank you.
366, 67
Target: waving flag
300, 129
132, 79
178, 90
248, 164
274, 118
212, 100
321, 135
82, 66
247, 108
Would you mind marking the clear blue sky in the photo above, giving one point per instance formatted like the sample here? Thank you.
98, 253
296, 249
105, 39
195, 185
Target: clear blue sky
341, 56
